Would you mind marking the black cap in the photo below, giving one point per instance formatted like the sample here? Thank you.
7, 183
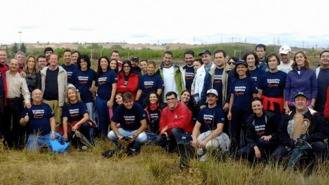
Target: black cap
205, 52
300, 94
134, 59
241, 62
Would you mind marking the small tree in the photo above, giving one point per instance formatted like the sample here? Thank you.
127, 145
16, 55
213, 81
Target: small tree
14, 49
23, 48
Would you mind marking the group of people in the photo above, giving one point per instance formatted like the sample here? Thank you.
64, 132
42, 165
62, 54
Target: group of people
259, 107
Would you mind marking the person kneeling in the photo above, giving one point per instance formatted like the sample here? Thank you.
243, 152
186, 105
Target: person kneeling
76, 123
131, 119
41, 123
210, 123
261, 133
176, 127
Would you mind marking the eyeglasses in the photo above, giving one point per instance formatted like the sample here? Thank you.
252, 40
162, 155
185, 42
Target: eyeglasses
126, 66
168, 99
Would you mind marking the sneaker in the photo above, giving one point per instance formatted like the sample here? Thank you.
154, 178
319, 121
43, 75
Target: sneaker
108, 153
84, 148
132, 152
203, 158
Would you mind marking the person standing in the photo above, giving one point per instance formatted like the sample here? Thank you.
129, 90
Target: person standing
300, 79
271, 87
17, 88
106, 85
3, 84
188, 69
173, 79
260, 50
286, 63
32, 74
322, 76
69, 67
53, 85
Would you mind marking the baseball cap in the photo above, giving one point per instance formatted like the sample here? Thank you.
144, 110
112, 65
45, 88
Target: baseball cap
284, 49
300, 94
205, 52
241, 62
212, 91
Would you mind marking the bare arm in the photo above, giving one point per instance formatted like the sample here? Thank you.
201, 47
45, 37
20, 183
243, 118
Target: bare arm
138, 94
114, 90
215, 133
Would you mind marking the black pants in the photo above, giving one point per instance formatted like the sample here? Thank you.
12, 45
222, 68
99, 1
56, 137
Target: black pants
2, 104
265, 147
237, 128
319, 149
13, 132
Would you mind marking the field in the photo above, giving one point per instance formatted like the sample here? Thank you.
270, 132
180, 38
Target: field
153, 166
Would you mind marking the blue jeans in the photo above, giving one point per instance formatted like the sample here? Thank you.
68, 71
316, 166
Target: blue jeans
141, 138
152, 137
35, 142
91, 110
181, 136
103, 116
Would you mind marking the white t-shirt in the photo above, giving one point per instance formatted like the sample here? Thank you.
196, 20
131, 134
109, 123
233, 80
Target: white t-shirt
285, 67
169, 79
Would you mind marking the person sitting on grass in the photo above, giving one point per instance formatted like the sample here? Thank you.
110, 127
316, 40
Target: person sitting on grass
153, 111
40, 122
261, 133
210, 124
302, 135
76, 118
128, 125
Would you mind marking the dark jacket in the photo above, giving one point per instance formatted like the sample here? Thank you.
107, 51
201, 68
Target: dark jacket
33, 81
273, 122
317, 131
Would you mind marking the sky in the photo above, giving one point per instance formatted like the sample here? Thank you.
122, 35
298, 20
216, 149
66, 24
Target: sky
292, 22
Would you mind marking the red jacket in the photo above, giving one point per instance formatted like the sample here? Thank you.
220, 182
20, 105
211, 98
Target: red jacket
3, 69
180, 117
326, 106
131, 86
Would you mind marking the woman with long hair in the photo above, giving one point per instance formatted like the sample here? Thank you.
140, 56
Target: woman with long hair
300, 79
32, 74
128, 81
106, 85
76, 118
84, 80
153, 111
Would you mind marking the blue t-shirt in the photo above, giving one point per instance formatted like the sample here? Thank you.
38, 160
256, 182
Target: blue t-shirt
129, 119
104, 83
149, 84
83, 81
210, 117
189, 76
242, 90
257, 76
39, 116
70, 70
217, 83
74, 112
273, 84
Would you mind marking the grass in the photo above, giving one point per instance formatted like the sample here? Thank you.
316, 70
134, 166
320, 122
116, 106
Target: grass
152, 166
